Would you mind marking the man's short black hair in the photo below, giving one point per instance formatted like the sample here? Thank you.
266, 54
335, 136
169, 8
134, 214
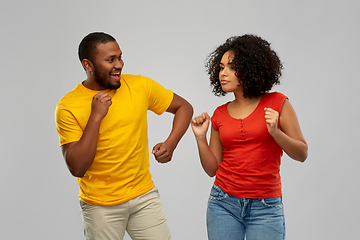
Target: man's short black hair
87, 47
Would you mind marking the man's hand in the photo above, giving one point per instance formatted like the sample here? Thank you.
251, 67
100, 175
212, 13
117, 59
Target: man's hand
79, 155
182, 111
163, 152
100, 105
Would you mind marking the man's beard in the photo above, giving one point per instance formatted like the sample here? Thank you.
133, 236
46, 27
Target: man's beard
101, 79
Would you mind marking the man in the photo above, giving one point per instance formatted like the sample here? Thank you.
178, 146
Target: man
102, 125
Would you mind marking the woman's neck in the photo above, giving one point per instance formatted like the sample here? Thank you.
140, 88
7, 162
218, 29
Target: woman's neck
240, 100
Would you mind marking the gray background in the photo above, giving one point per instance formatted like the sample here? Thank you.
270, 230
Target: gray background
169, 41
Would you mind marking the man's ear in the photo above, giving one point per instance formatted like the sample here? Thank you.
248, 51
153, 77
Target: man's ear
88, 65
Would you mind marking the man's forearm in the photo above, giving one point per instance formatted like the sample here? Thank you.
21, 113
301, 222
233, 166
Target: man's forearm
80, 155
181, 123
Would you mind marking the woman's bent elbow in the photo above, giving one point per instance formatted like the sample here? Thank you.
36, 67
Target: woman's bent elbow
303, 156
211, 173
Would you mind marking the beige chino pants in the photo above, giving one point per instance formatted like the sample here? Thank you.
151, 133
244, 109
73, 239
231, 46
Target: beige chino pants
142, 217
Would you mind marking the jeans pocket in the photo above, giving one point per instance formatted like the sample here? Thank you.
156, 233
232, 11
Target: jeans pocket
217, 193
272, 202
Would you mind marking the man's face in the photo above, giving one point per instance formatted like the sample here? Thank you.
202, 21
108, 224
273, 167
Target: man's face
108, 65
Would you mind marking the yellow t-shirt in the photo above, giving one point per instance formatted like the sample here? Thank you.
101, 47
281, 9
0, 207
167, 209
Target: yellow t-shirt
120, 170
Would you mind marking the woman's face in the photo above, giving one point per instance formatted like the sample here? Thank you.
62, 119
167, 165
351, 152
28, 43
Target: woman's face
229, 81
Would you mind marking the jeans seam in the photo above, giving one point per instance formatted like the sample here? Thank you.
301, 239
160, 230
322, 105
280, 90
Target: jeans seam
271, 206
219, 190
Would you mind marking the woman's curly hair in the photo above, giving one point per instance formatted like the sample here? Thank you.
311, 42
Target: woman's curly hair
256, 65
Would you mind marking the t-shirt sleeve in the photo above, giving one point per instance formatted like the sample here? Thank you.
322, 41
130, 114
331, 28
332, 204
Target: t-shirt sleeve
279, 100
66, 125
159, 97
214, 119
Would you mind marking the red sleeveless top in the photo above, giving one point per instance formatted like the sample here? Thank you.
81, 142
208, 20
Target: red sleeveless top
250, 167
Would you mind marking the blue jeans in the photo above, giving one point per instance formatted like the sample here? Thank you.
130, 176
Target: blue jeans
232, 218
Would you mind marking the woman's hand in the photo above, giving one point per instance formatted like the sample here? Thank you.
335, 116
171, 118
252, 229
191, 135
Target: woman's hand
200, 124
271, 118
290, 137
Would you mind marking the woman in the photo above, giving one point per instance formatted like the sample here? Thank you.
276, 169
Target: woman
248, 137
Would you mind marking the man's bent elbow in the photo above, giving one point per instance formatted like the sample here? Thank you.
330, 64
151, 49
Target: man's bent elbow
78, 174
191, 109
